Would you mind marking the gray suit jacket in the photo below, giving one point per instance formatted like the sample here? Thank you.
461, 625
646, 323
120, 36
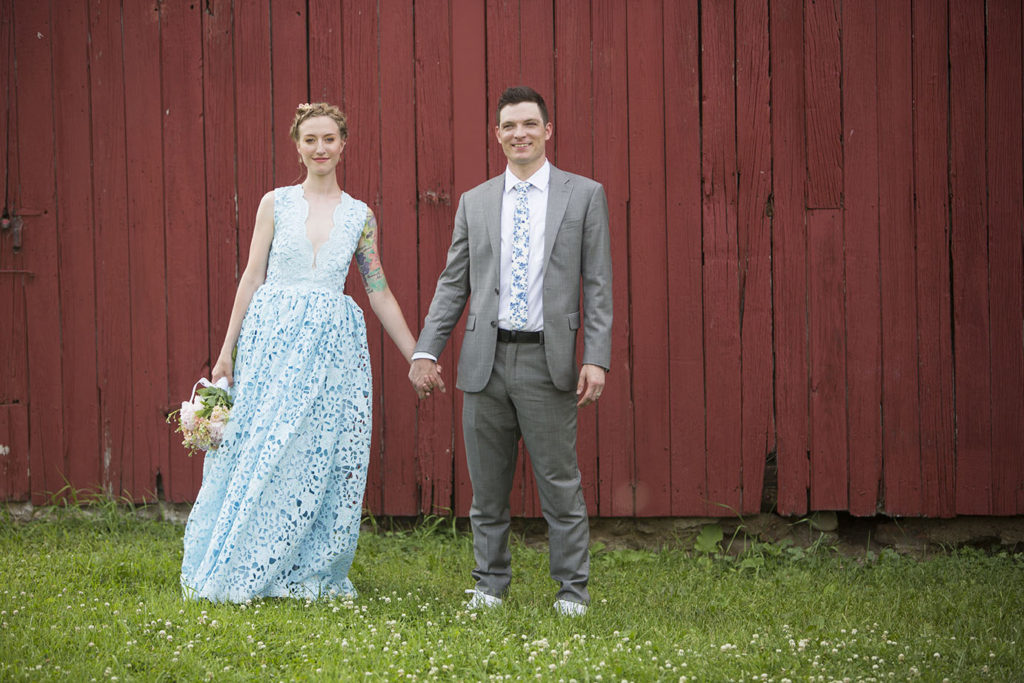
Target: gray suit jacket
577, 250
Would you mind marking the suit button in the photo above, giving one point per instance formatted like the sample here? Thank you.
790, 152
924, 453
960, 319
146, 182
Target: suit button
494, 323
496, 291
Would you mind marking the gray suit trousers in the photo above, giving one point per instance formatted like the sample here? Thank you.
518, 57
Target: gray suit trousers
521, 400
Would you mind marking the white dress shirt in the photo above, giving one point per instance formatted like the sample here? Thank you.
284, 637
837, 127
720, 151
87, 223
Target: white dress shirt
537, 198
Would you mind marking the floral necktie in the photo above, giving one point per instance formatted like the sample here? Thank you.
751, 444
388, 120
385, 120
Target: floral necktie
520, 258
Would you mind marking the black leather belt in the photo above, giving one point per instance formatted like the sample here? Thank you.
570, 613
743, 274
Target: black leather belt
520, 337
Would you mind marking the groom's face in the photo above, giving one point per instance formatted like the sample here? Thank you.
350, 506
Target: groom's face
522, 133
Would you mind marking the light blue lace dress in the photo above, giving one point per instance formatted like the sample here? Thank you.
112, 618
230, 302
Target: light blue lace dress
280, 505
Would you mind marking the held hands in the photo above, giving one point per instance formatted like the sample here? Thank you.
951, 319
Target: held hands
590, 385
425, 376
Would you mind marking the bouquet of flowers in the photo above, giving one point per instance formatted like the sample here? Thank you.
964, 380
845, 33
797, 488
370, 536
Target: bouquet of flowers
203, 417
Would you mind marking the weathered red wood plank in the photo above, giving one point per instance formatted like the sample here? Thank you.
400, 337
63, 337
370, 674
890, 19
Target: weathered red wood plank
684, 252
254, 129
823, 117
970, 260
15, 463
397, 234
113, 260
326, 61
8, 90
188, 326
473, 112
789, 255
860, 220
616, 467
1006, 216
931, 211
473, 122
14, 453
828, 474
289, 62
648, 261
150, 450
223, 251
753, 132
573, 119
79, 456
436, 213
503, 65
721, 288
361, 160
900, 447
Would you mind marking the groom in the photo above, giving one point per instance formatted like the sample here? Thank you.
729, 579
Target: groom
523, 244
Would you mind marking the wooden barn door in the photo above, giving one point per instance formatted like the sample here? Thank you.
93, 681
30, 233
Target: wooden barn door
14, 456
30, 343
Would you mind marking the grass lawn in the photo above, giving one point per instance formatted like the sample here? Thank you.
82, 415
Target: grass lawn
95, 597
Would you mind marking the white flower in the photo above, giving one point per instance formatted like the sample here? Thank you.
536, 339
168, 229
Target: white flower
216, 433
188, 416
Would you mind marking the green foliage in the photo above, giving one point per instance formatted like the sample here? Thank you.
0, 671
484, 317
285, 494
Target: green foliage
94, 594
709, 540
211, 398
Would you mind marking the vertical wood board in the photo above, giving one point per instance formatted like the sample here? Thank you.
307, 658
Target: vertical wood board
789, 255
80, 449
648, 263
434, 171
144, 116
188, 329
900, 446
823, 64
683, 243
1005, 209
860, 229
931, 224
971, 340
617, 464
827, 351
113, 261
753, 229
397, 221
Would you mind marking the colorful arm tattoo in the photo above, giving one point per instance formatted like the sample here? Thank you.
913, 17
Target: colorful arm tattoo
368, 259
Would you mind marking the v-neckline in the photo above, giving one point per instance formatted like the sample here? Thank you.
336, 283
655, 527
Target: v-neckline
305, 225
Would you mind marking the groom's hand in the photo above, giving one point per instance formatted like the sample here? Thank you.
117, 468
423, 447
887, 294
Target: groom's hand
590, 385
425, 376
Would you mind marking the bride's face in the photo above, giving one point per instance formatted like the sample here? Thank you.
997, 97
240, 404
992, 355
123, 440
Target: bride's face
320, 144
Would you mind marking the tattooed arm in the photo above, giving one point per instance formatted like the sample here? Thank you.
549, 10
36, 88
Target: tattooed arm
382, 301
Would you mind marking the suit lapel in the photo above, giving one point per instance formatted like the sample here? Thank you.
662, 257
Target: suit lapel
495, 194
559, 189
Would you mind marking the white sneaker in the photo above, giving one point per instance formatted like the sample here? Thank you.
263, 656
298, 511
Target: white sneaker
568, 608
481, 600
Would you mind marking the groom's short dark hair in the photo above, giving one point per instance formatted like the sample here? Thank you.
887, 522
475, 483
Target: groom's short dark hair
522, 93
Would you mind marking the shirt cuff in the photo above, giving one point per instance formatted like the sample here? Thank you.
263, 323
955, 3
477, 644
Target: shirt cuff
420, 354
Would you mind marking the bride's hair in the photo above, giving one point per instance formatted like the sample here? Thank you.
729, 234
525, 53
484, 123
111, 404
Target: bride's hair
309, 110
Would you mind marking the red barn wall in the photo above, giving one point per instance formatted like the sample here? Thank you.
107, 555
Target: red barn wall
816, 209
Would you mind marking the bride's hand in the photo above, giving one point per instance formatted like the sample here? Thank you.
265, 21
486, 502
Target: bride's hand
223, 368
